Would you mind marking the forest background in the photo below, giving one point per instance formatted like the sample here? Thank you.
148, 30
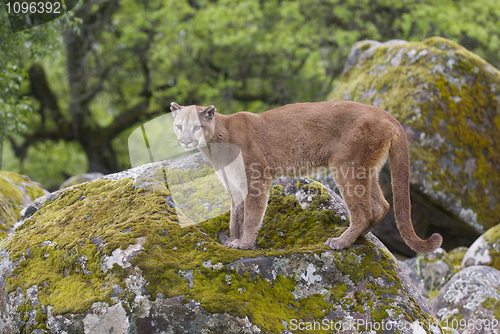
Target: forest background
72, 90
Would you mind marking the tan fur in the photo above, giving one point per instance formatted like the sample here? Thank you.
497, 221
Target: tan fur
296, 137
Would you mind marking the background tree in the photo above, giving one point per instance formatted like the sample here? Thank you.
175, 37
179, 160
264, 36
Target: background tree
132, 58
13, 109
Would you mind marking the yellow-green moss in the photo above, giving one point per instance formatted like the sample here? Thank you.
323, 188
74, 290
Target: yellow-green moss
91, 220
288, 225
191, 187
492, 305
12, 198
8, 216
456, 256
339, 290
439, 88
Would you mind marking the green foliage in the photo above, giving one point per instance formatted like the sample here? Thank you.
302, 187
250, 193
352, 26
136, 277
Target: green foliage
236, 54
254, 55
15, 49
12, 109
48, 161
474, 25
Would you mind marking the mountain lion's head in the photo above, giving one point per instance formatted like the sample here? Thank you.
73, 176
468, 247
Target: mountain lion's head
193, 125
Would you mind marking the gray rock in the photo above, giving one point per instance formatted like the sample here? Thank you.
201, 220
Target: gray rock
435, 274
418, 281
470, 301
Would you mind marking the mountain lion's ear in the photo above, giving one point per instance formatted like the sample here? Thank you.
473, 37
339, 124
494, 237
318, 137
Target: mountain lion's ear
209, 112
174, 107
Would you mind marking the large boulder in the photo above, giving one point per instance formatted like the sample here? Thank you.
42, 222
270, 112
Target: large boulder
470, 301
485, 250
110, 256
447, 99
16, 193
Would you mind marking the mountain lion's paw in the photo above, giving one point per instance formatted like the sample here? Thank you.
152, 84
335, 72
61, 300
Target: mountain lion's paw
239, 244
234, 244
336, 244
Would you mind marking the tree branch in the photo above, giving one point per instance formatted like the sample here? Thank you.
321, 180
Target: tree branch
127, 119
40, 89
62, 132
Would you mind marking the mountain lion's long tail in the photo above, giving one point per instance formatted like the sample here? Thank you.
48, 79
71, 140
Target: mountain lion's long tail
400, 174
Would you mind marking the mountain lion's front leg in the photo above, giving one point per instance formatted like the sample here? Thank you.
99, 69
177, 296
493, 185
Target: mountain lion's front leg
236, 220
254, 208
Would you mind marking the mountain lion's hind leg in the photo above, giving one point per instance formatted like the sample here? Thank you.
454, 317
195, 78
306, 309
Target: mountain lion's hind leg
357, 196
379, 205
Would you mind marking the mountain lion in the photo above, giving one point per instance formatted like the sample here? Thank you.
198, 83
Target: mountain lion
342, 135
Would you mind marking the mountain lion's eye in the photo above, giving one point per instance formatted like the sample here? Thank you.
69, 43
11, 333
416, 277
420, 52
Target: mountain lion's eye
179, 127
196, 127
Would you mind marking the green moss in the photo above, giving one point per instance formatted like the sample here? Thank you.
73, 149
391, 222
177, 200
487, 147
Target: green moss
381, 313
8, 216
287, 225
440, 90
492, 305
15, 191
456, 256
192, 187
339, 290
40, 318
264, 303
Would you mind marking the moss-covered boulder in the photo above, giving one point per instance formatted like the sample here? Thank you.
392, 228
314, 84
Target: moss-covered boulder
485, 250
470, 301
16, 192
110, 256
447, 99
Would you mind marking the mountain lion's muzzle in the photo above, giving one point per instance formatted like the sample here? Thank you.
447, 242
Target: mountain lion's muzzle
188, 143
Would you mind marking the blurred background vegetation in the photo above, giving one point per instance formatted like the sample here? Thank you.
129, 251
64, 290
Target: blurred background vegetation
72, 90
